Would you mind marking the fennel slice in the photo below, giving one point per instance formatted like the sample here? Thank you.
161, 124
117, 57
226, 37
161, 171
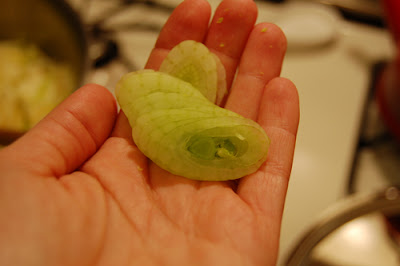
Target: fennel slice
213, 149
192, 62
222, 89
201, 141
144, 132
147, 82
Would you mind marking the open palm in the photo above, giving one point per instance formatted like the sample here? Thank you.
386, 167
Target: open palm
75, 190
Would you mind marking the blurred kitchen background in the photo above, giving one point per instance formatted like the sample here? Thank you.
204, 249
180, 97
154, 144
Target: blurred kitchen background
347, 158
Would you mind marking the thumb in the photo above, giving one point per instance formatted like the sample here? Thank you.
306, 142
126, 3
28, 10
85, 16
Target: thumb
67, 136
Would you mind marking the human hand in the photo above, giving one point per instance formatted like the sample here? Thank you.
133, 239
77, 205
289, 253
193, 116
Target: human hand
75, 190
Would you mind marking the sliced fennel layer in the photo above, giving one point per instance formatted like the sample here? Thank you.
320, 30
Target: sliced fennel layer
180, 130
191, 61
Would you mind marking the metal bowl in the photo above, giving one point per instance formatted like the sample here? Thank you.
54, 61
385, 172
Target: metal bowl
385, 203
54, 27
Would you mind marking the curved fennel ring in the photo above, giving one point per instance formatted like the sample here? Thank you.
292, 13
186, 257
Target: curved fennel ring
177, 125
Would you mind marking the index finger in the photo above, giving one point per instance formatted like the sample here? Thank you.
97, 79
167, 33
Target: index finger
229, 30
189, 21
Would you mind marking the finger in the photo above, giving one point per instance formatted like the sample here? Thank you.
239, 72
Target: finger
265, 190
229, 30
189, 21
261, 61
69, 135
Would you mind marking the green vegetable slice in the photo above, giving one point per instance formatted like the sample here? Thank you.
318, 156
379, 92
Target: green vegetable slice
191, 61
177, 125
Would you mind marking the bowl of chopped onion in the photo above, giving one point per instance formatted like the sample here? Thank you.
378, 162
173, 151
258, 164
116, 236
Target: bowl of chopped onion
43, 51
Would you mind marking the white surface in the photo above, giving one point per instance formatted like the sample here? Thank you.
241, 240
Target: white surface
309, 25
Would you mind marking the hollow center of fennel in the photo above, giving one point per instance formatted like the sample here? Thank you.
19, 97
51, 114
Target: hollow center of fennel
210, 148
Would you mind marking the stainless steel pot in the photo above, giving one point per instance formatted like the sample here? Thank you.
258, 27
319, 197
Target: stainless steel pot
53, 26
385, 203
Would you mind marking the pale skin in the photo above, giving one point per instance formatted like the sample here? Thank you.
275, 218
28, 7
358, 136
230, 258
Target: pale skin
75, 190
